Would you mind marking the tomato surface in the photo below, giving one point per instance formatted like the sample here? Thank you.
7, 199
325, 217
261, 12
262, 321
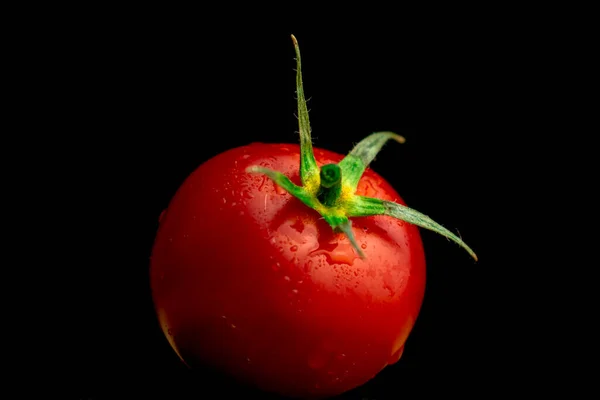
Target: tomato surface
248, 279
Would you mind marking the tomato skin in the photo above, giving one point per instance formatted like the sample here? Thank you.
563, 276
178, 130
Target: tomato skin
246, 278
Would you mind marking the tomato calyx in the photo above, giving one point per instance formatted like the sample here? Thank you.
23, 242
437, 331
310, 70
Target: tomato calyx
330, 190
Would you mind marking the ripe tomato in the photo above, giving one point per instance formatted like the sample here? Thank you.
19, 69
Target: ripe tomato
245, 277
247, 274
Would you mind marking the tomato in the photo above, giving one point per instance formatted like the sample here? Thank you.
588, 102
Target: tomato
246, 277
247, 274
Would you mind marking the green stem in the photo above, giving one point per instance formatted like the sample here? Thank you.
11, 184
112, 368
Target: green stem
331, 184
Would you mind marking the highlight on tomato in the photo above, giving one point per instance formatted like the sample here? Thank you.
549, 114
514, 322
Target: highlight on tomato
275, 264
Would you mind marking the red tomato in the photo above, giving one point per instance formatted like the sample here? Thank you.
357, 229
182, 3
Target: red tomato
272, 284
247, 278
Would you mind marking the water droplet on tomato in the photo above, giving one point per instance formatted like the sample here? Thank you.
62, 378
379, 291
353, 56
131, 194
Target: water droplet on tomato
308, 266
294, 248
245, 156
169, 332
337, 252
287, 278
298, 226
224, 317
388, 284
294, 291
248, 360
276, 267
363, 246
233, 326
233, 204
224, 200
263, 180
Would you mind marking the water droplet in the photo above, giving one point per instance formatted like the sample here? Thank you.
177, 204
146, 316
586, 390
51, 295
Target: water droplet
294, 248
233, 204
287, 278
233, 326
245, 156
337, 252
308, 265
294, 291
248, 360
298, 226
241, 213
388, 284
276, 267
224, 200
340, 356
224, 317
262, 182
300, 282
363, 246
169, 332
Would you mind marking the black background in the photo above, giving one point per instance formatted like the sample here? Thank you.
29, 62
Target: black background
137, 104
